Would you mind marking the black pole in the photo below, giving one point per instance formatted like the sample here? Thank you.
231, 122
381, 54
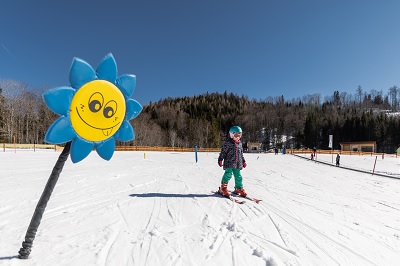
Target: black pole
41, 206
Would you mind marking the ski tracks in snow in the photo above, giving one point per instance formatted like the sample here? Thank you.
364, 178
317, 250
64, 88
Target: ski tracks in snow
313, 239
160, 212
226, 229
229, 238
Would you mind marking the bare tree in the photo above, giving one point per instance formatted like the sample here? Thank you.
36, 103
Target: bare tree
359, 93
12, 91
3, 132
393, 91
147, 133
172, 137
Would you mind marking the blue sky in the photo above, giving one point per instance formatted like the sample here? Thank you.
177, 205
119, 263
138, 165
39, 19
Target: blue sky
183, 48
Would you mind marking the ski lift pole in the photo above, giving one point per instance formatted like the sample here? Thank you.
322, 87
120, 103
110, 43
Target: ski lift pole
41, 206
373, 171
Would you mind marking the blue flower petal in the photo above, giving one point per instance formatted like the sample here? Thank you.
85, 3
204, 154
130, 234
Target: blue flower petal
127, 84
106, 148
107, 69
125, 132
80, 149
133, 109
59, 99
60, 131
80, 73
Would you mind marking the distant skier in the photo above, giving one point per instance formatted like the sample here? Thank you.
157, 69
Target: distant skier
232, 160
338, 159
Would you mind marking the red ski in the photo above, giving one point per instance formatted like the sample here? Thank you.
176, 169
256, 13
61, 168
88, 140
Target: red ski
252, 199
229, 198
247, 197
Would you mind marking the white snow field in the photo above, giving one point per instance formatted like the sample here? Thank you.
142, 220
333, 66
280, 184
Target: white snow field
156, 208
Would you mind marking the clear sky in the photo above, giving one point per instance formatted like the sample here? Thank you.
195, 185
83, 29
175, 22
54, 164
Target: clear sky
257, 48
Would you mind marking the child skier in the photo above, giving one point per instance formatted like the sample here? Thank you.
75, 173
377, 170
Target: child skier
231, 158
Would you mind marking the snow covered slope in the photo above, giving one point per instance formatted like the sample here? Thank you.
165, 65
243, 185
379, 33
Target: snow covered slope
159, 210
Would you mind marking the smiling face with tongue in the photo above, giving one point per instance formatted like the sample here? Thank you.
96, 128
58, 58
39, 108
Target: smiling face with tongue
94, 110
97, 110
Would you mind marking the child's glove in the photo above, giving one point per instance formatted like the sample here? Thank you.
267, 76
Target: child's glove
244, 164
220, 163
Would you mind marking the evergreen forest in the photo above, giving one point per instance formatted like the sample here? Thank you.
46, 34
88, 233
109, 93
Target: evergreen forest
204, 120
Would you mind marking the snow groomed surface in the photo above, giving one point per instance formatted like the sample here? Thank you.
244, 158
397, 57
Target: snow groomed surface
159, 211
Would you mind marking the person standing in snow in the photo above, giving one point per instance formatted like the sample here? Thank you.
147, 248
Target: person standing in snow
232, 160
337, 159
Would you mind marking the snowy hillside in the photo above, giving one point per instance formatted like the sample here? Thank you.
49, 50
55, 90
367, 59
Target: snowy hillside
159, 210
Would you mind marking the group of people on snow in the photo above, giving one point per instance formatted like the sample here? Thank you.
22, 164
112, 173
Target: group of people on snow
232, 160
314, 153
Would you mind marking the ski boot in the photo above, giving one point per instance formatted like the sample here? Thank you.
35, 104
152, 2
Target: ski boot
223, 190
240, 192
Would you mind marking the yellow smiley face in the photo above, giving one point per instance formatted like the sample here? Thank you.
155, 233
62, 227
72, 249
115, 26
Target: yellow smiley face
97, 110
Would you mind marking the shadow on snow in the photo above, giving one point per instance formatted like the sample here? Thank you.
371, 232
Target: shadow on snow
172, 195
8, 258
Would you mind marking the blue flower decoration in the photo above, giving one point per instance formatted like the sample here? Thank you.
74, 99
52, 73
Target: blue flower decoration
94, 110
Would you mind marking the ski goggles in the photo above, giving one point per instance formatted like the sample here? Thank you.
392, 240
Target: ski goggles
237, 134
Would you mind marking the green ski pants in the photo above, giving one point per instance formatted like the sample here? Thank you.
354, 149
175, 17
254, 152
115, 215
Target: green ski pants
228, 175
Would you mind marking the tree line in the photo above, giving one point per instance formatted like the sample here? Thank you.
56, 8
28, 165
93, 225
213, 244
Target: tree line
204, 120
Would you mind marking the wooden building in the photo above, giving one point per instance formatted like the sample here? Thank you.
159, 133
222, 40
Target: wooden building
254, 147
360, 146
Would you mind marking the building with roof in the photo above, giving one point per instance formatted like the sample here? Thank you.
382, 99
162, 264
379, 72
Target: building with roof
359, 146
